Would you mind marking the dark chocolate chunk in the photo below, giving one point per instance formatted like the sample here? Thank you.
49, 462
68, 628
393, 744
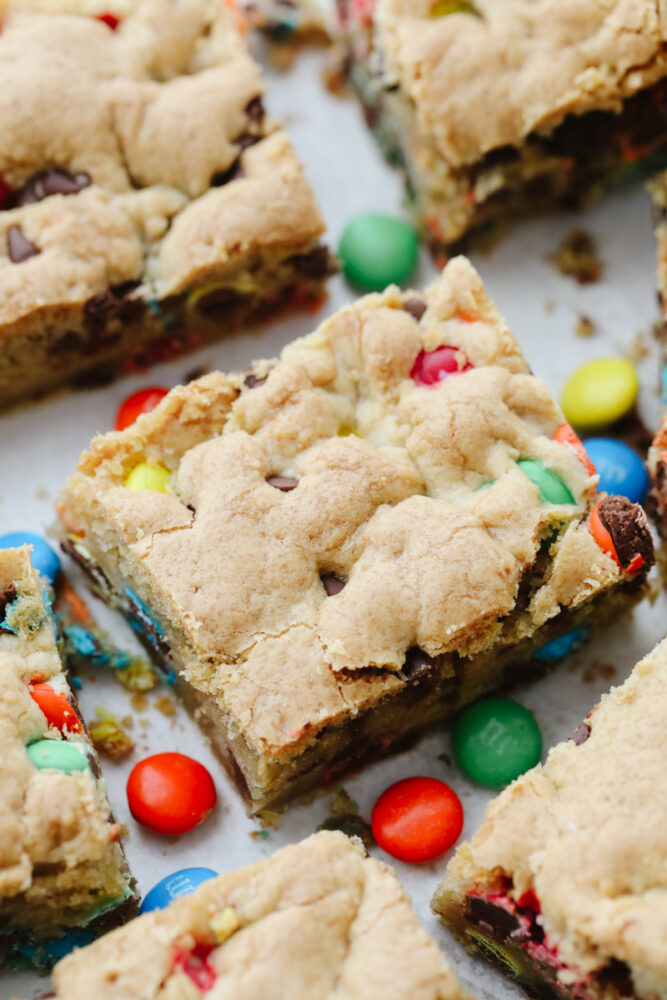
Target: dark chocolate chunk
95, 573
19, 246
316, 263
48, 182
221, 303
246, 139
617, 975
482, 911
656, 501
332, 584
254, 109
416, 307
231, 173
418, 664
283, 483
120, 299
580, 734
6, 598
252, 381
626, 523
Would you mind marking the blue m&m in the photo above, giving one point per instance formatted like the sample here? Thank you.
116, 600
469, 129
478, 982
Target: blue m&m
621, 470
562, 646
180, 883
44, 559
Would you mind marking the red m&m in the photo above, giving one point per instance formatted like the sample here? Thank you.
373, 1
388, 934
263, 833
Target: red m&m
170, 793
565, 435
417, 819
140, 402
56, 708
432, 367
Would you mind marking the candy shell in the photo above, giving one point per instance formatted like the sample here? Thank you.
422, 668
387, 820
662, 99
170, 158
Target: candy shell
417, 819
170, 793
495, 740
48, 952
621, 470
565, 435
148, 476
44, 559
140, 402
562, 646
432, 367
551, 486
56, 708
378, 250
58, 755
600, 392
180, 883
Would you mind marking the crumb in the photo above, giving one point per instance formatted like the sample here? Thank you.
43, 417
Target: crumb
585, 327
139, 701
127, 721
577, 257
144, 723
638, 349
598, 671
41, 493
139, 676
334, 75
345, 817
108, 737
165, 705
260, 834
549, 305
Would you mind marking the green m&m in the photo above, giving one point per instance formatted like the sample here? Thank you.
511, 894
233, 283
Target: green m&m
495, 740
551, 486
378, 250
58, 755
600, 392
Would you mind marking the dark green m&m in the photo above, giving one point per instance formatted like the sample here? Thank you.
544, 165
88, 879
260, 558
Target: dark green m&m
495, 740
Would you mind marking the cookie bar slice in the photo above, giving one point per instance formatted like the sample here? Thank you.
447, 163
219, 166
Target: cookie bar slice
61, 866
563, 885
317, 919
355, 539
494, 109
147, 202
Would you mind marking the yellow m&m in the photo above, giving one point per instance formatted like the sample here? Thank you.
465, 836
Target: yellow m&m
600, 392
148, 476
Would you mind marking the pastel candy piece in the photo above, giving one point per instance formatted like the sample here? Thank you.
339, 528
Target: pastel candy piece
432, 367
495, 740
148, 476
44, 559
180, 883
551, 486
600, 392
562, 646
47, 953
58, 755
621, 470
378, 250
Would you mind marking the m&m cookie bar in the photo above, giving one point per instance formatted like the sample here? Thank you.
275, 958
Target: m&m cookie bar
61, 866
147, 203
563, 885
494, 109
316, 920
355, 539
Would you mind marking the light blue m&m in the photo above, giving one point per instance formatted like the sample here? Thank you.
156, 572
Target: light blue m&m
44, 559
621, 470
180, 883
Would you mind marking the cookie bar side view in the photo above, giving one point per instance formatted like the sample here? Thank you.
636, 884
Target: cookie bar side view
355, 539
498, 109
161, 210
316, 919
563, 885
61, 866
656, 503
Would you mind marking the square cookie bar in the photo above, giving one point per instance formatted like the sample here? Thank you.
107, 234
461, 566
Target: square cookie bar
494, 109
656, 502
61, 866
316, 920
147, 203
563, 885
355, 539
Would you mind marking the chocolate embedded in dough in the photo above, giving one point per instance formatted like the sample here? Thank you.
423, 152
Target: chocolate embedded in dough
53, 181
416, 307
19, 247
580, 734
626, 523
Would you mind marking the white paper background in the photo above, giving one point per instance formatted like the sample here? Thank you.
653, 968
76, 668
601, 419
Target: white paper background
39, 446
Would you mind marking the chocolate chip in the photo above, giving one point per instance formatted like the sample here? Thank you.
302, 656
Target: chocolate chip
252, 381
246, 139
418, 664
95, 573
332, 584
19, 246
221, 303
580, 734
316, 263
48, 182
416, 307
626, 523
501, 922
119, 299
254, 109
232, 173
283, 483
617, 975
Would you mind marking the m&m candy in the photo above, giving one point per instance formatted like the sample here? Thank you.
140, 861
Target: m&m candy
432, 367
495, 740
562, 646
170, 793
148, 476
600, 392
378, 250
48, 952
44, 559
621, 470
56, 708
180, 883
551, 486
565, 435
58, 755
140, 402
417, 819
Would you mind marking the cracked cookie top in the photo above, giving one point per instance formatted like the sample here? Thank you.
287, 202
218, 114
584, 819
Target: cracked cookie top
136, 149
53, 822
391, 482
586, 832
485, 75
318, 917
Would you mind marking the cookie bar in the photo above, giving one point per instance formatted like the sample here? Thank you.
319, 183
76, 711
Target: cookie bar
317, 919
355, 539
147, 203
494, 109
61, 866
656, 502
563, 885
